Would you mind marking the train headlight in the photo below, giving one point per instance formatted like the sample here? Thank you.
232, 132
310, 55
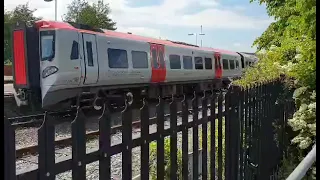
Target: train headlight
49, 71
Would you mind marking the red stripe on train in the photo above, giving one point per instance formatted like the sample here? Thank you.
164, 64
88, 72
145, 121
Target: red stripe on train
19, 58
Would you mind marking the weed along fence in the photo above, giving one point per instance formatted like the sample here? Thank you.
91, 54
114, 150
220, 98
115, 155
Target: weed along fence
225, 135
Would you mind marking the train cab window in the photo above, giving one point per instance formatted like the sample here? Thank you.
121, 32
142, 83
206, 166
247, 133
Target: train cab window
237, 64
139, 59
198, 62
174, 61
208, 63
117, 58
225, 64
89, 53
231, 64
187, 62
47, 45
74, 50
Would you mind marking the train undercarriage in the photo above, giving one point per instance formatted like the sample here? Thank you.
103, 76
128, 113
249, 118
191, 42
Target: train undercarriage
92, 99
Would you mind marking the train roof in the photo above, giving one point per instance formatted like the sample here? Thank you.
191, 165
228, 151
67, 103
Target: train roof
43, 24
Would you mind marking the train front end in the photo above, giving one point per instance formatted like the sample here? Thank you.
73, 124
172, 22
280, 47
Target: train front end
26, 67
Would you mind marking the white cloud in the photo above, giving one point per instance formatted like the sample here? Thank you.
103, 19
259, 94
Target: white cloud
169, 13
236, 44
149, 20
143, 31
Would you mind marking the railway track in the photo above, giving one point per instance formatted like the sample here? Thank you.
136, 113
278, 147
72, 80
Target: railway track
65, 142
36, 120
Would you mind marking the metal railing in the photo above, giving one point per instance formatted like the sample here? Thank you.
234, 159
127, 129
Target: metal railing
301, 170
237, 137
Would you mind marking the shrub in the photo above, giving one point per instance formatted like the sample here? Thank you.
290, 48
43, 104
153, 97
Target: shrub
153, 160
153, 152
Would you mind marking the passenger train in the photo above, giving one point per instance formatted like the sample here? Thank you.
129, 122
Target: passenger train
55, 61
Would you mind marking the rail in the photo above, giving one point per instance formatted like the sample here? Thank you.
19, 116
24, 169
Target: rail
301, 170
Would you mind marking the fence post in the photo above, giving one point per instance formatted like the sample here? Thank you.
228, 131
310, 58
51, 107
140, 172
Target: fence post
46, 137
246, 129
78, 132
185, 139
173, 139
9, 151
220, 166
241, 131
144, 114
105, 143
127, 141
160, 142
213, 136
228, 133
237, 131
204, 137
195, 131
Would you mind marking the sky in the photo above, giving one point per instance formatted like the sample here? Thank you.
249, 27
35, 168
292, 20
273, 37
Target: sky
226, 24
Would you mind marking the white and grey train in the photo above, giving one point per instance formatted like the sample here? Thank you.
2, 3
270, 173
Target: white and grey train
55, 61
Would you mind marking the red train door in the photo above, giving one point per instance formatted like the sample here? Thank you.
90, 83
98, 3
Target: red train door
218, 69
157, 63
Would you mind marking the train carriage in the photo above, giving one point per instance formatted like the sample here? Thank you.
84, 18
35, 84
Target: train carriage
55, 61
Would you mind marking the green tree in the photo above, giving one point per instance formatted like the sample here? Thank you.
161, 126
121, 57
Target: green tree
20, 13
294, 36
95, 15
288, 46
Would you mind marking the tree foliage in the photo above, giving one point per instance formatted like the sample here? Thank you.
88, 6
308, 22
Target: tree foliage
20, 13
294, 36
289, 47
95, 15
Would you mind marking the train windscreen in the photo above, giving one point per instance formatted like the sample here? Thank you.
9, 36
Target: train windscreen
47, 45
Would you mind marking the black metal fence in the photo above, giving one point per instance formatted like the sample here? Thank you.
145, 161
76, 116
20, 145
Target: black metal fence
249, 143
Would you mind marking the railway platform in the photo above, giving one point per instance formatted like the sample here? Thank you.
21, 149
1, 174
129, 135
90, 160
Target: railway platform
8, 79
8, 90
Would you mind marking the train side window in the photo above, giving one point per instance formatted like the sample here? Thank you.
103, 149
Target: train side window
117, 58
139, 59
208, 63
198, 63
231, 64
174, 61
74, 50
237, 64
187, 62
247, 64
89, 53
225, 64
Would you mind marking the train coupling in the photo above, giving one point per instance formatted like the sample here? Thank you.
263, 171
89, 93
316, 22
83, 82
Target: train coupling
20, 97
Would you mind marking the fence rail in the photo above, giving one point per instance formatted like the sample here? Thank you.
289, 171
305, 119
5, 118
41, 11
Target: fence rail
235, 143
301, 170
